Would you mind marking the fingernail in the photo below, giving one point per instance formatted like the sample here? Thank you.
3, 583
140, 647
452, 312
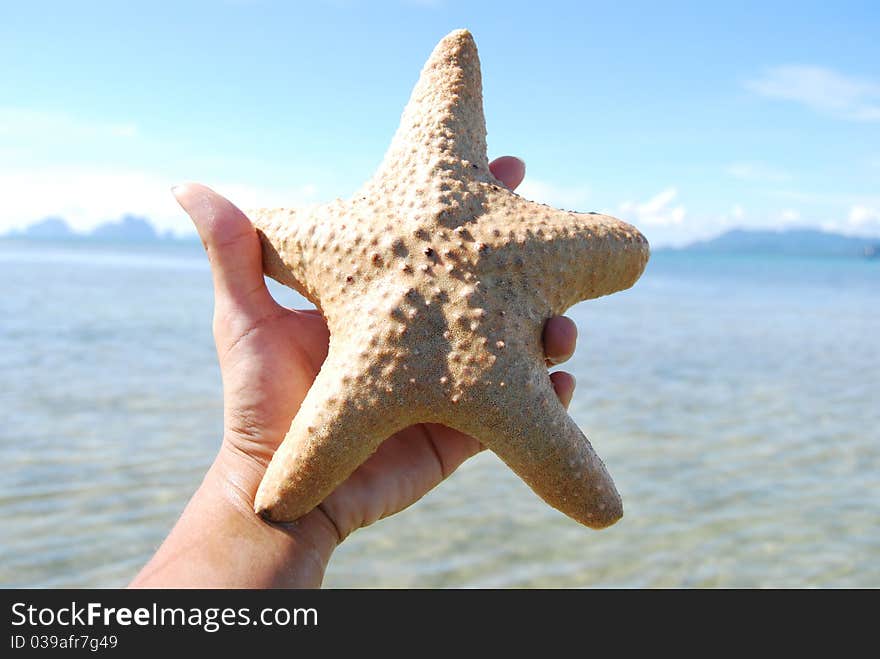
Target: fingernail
186, 203
184, 194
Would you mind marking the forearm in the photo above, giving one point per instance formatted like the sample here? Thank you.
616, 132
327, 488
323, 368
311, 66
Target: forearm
219, 542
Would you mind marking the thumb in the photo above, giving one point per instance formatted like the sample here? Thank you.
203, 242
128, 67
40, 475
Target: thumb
232, 245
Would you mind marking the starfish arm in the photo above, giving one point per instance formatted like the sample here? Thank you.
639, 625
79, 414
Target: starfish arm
280, 230
562, 257
530, 430
294, 242
347, 413
442, 128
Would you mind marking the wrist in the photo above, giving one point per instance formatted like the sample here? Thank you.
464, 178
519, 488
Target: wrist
233, 480
220, 542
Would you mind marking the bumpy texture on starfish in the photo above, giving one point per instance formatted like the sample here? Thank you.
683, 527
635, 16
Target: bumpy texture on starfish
436, 282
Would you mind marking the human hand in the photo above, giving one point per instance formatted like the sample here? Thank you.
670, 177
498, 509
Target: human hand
269, 356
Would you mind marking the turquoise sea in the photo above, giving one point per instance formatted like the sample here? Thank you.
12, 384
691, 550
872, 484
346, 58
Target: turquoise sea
734, 399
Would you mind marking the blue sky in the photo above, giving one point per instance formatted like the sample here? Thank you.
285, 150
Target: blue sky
683, 118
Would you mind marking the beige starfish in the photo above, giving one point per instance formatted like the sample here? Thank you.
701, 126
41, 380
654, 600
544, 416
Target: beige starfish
436, 282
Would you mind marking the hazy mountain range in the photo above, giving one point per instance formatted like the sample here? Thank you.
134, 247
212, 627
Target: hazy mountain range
791, 242
128, 228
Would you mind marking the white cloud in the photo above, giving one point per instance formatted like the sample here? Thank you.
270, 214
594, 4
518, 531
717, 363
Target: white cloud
789, 216
823, 90
657, 211
85, 198
860, 221
861, 215
733, 217
757, 172
571, 197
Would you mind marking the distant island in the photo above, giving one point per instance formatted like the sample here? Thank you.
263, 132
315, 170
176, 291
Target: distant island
791, 242
128, 228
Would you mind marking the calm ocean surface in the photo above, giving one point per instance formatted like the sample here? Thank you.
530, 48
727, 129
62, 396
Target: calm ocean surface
735, 401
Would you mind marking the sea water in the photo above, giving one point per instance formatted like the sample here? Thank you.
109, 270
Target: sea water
734, 399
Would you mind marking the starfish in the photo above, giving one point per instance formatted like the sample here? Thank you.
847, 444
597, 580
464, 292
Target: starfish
435, 282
